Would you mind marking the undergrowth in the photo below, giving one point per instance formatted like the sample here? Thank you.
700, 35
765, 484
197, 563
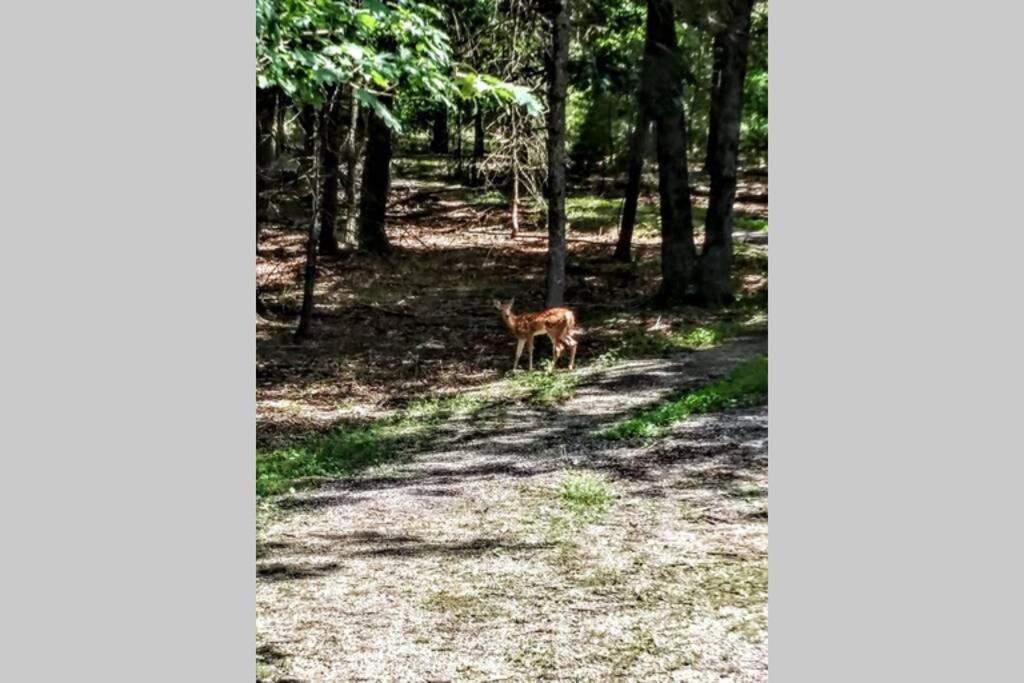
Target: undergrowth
583, 492
353, 447
541, 387
746, 385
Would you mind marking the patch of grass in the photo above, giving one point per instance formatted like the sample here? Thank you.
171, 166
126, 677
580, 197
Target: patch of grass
740, 585
542, 387
603, 577
746, 385
462, 606
751, 224
353, 447
641, 342
750, 629
703, 337
583, 492
484, 198
593, 213
624, 653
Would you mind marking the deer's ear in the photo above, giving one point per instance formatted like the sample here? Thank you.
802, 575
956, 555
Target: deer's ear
497, 304
511, 301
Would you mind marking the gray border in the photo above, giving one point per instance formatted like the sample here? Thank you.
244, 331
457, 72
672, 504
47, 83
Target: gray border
895, 147
128, 353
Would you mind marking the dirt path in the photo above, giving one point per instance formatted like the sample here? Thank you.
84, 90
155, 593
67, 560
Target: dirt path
466, 564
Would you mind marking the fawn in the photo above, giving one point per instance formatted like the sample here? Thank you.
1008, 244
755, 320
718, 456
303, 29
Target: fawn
557, 323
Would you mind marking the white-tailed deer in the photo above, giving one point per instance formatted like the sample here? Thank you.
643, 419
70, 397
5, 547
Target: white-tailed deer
557, 323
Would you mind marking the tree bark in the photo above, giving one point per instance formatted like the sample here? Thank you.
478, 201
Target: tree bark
475, 173
331, 116
307, 121
558, 78
264, 148
458, 142
439, 137
678, 253
637, 146
309, 275
715, 265
716, 80
280, 137
515, 169
376, 184
351, 163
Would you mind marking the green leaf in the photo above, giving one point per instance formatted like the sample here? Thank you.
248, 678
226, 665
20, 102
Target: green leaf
370, 100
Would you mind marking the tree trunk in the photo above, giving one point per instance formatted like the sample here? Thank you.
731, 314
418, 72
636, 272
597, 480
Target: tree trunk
309, 276
713, 116
458, 141
637, 146
280, 137
439, 138
515, 203
351, 164
331, 116
307, 121
558, 78
376, 184
264, 148
475, 173
715, 265
678, 253
516, 169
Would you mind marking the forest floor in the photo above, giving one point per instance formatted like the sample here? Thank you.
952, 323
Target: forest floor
426, 515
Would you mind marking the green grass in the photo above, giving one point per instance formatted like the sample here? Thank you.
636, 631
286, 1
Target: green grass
353, 447
752, 224
541, 387
462, 606
746, 385
484, 198
582, 492
592, 213
639, 342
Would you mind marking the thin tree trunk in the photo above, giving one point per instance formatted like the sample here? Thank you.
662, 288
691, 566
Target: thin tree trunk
713, 115
309, 276
439, 137
515, 168
330, 139
351, 164
715, 265
678, 253
280, 137
376, 184
558, 79
308, 162
264, 155
637, 147
458, 142
307, 121
264, 148
515, 203
475, 173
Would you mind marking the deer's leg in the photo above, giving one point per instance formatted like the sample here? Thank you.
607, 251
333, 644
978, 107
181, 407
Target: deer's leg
556, 347
571, 343
519, 352
529, 346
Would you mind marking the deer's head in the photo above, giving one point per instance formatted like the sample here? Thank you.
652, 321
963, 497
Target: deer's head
505, 308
